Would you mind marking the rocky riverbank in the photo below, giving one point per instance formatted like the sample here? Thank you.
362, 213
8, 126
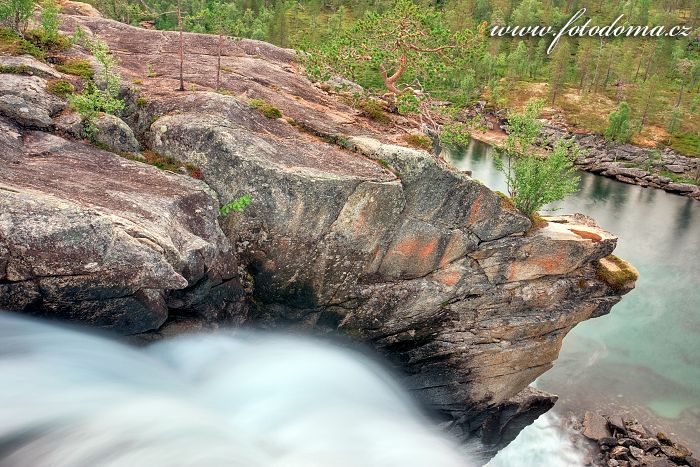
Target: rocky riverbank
662, 169
622, 442
631, 164
348, 232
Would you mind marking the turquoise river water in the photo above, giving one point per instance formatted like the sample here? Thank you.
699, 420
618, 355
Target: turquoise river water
643, 359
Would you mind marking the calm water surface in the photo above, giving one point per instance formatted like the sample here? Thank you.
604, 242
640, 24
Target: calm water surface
643, 358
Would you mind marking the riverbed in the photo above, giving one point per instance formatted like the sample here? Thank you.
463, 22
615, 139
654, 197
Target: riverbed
643, 359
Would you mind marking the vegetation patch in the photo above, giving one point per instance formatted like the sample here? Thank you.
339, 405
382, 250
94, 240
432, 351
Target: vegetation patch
76, 67
237, 205
60, 87
13, 44
373, 109
687, 144
676, 178
165, 163
419, 141
538, 222
616, 272
455, 135
265, 108
15, 69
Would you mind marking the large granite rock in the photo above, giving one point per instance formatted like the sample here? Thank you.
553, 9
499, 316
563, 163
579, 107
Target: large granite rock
87, 235
25, 100
347, 232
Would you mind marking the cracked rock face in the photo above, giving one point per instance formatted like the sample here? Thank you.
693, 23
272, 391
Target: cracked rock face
347, 232
87, 235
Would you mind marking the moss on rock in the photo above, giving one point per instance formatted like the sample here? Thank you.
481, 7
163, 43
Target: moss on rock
617, 273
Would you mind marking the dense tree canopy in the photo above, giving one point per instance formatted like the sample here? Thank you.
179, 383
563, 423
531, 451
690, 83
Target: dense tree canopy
370, 34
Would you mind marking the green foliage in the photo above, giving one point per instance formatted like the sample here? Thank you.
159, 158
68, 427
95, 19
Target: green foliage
373, 109
60, 87
76, 67
15, 70
675, 122
265, 108
405, 47
534, 180
236, 205
98, 98
618, 129
419, 141
16, 13
523, 128
686, 143
455, 134
13, 44
49, 20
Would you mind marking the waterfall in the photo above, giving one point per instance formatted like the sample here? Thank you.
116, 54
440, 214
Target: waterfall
73, 398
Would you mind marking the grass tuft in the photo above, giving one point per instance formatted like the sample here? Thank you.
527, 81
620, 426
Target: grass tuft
265, 108
60, 87
77, 67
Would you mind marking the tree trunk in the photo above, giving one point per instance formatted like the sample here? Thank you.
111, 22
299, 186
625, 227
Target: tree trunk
182, 46
607, 73
651, 65
597, 67
390, 81
680, 94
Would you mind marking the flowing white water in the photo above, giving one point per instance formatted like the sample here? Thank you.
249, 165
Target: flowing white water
74, 399
544, 443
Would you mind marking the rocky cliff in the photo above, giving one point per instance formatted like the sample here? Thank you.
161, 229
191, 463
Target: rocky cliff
347, 233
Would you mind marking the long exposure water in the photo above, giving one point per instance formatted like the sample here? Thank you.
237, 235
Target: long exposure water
74, 399
643, 359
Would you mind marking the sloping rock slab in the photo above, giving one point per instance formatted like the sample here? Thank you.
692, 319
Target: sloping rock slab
90, 236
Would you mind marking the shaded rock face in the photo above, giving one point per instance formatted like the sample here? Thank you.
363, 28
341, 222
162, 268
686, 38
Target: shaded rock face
87, 235
347, 232
114, 134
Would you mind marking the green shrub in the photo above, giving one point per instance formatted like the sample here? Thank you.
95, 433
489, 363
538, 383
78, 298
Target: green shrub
419, 141
77, 67
60, 87
49, 20
39, 38
14, 70
533, 180
618, 129
265, 108
455, 134
94, 99
16, 13
236, 205
13, 44
373, 109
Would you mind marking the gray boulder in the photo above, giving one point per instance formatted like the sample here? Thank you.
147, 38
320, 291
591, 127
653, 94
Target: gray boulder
25, 100
87, 235
115, 135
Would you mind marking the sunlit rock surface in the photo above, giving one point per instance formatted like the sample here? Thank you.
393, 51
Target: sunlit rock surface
347, 232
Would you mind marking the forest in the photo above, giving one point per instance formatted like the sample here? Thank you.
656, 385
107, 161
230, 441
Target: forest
651, 83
